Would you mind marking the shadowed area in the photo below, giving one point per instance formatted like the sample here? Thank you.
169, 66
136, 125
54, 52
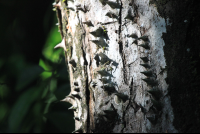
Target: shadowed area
33, 76
182, 53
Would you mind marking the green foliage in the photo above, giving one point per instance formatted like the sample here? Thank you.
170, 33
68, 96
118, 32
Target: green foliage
21, 107
34, 76
27, 76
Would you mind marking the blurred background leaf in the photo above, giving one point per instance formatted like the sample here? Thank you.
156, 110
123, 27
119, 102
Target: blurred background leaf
27, 76
33, 76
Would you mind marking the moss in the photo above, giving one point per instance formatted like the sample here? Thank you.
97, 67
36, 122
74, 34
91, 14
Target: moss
183, 74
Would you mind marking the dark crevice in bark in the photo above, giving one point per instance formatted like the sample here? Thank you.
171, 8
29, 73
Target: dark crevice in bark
71, 51
59, 16
135, 11
129, 105
87, 101
120, 25
87, 91
121, 44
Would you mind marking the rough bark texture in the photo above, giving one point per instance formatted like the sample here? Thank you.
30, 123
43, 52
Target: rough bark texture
117, 65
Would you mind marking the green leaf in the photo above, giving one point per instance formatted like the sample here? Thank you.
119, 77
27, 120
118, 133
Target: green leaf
21, 108
53, 39
3, 111
27, 76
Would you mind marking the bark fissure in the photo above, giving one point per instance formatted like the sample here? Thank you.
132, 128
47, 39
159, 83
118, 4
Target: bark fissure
121, 44
128, 105
86, 73
60, 26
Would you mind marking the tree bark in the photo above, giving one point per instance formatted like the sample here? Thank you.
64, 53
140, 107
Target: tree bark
116, 59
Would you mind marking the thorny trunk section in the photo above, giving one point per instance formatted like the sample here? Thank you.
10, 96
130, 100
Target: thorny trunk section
115, 54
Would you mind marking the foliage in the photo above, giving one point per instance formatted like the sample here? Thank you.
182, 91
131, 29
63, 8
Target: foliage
33, 76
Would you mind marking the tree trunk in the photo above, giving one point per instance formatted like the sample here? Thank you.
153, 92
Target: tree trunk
117, 64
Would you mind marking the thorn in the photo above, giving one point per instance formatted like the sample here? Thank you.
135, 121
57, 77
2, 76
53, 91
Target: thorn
144, 38
104, 58
109, 111
111, 15
98, 32
117, 100
72, 62
54, 3
113, 4
96, 57
61, 45
121, 96
88, 23
108, 87
57, 5
103, 72
71, 8
93, 84
155, 93
97, 42
145, 59
146, 65
129, 16
81, 8
75, 94
77, 89
104, 80
77, 118
145, 45
101, 113
103, 2
147, 73
73, 108
153, 120
54, 9
78, 5
75, 83
69, 99
135, 41
133, 35
157, 104
100, 42
150, 82
78, 130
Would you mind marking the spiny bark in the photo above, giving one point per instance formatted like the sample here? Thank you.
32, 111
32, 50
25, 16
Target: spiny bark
114, 50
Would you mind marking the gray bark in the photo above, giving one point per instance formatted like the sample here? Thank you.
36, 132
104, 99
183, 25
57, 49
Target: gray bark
114, 51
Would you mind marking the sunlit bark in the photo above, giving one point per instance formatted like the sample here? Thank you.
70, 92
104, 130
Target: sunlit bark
114, 50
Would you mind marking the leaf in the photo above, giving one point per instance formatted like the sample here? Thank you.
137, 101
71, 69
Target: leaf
52, 39
21, 108
27, 76
3, 111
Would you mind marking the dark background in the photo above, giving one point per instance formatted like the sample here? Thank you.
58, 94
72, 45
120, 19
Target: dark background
33, 76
